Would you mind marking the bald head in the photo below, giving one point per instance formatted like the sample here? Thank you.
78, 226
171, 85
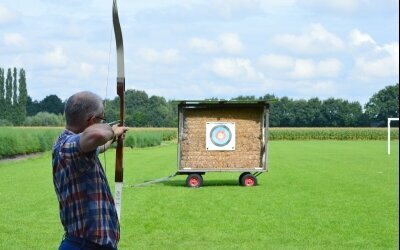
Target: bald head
81, 106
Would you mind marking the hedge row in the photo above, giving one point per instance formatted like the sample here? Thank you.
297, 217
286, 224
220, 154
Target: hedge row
26, 140
17, 140
140, 138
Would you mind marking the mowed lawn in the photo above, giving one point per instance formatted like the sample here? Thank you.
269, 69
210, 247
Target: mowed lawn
316, 195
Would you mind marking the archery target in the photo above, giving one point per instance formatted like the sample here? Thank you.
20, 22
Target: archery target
220, 136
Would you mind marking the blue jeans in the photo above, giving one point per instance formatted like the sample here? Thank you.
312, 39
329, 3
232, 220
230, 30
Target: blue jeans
75, 243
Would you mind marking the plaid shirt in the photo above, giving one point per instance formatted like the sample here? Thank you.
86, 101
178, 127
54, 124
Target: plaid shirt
87, 207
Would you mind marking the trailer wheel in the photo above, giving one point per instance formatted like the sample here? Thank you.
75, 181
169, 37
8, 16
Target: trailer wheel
241, 178
194, 180
249, 180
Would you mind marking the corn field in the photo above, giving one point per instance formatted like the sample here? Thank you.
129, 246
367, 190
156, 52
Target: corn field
332, 134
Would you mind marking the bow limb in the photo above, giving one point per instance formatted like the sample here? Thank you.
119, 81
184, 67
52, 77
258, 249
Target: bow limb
121, 94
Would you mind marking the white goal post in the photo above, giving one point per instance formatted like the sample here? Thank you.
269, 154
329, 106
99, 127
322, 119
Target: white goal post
389, 120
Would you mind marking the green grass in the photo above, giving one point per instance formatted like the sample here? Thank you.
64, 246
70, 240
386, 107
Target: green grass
317, 195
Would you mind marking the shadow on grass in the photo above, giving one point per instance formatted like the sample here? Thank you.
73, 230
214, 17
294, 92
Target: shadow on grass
182, 183
206, 183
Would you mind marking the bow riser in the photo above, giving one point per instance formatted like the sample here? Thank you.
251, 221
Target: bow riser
120, 143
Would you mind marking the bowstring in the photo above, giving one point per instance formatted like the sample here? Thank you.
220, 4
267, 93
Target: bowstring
105, 98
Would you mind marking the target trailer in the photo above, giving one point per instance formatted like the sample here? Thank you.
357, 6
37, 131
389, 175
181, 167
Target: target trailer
223, 136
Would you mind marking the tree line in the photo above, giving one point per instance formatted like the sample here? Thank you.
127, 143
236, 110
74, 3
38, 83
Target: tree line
142, 110
332, 112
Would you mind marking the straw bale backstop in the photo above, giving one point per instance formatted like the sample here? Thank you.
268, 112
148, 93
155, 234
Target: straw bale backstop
251, 124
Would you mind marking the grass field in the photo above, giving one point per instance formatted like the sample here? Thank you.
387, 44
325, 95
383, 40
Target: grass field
317, 195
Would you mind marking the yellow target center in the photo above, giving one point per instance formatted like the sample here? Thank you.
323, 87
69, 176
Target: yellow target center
221, 135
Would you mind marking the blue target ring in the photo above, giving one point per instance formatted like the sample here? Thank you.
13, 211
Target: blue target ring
220, 135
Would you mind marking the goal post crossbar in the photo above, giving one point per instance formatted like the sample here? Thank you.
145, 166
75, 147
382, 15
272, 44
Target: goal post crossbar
389, 120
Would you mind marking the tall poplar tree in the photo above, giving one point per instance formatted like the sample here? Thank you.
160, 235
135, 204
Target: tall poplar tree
22, 97
14, 107
8, 95
2, 100
15, 88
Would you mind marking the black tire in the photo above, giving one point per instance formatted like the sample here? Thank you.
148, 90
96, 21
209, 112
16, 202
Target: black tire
241, 178
194, 180
249, 180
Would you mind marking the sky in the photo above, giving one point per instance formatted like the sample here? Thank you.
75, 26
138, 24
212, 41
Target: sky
197, 49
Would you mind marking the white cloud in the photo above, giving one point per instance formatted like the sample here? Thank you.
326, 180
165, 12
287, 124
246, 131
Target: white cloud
298, 68
180, 90
277, 61
230, 8
231, 43
316, 40
202, 45
337, 5
86, 69
304, 68
219, 89
324, 53
322, 89
358, 38
19, 61
15, 39
384, 62
6, 15
169, 56
232, 68
226, 42
150, 55
56, 57
308, 69
267, 5
329, 68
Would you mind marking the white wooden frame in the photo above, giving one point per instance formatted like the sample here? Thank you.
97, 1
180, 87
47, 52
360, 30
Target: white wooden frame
389, 120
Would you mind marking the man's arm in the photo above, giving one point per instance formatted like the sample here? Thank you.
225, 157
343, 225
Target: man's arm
104, 147
94, 136
100, 135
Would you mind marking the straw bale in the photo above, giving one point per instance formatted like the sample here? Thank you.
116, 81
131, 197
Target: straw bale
248, 128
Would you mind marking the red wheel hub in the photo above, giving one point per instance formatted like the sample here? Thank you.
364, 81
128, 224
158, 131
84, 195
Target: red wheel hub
249, 181
194, 182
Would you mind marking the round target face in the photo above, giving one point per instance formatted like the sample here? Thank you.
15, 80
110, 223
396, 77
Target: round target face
220, 135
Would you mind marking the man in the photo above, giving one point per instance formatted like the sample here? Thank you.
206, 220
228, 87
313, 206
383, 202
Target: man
87, 208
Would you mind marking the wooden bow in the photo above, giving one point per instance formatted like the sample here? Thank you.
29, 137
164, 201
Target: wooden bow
119, 177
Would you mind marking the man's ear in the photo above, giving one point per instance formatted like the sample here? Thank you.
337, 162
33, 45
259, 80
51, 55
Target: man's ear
90, 120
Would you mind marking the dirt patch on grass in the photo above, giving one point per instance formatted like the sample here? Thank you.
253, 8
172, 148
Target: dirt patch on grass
20, 157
